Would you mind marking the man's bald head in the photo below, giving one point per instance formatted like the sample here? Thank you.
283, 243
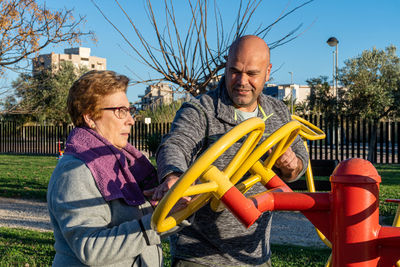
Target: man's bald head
249, 42
247, 70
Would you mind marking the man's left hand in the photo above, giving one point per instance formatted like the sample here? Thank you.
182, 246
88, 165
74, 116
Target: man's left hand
289, 164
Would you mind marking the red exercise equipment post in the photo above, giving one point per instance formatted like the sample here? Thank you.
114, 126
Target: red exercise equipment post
348, 215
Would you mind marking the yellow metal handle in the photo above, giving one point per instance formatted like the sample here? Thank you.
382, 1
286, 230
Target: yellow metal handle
212, 182
280, 140
308, 130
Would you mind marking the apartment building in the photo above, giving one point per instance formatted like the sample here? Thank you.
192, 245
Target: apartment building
156, 95
284, 91
79, 56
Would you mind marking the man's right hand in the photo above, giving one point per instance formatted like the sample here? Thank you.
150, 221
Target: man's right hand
159, 192
163, 188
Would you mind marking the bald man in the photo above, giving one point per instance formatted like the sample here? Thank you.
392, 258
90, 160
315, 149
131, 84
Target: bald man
217, 238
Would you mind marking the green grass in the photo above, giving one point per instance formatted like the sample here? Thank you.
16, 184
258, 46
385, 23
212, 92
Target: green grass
390, 188
28, 176
283, 256
25, 176
20, 247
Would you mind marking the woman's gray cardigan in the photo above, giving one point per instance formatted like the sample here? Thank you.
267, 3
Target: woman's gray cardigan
90, 231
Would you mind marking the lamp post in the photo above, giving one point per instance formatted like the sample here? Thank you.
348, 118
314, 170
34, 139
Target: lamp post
291, 91
332, 41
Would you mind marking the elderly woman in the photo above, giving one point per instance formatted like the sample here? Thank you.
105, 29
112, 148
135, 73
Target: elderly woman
95, 196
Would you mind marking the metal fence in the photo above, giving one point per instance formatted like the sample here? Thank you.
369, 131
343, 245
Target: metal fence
345, 139
49, 140
41, 140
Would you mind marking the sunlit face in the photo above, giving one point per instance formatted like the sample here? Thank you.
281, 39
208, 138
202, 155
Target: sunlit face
115, 130
246, 72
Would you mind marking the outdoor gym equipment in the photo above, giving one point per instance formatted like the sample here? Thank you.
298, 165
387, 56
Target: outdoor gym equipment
186, 187
348, 215
60, 152
214, 183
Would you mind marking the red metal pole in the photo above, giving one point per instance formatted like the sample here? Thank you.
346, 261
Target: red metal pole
355, 214
348, 216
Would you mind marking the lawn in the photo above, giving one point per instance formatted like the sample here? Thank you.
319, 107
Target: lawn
27, 177
20, 247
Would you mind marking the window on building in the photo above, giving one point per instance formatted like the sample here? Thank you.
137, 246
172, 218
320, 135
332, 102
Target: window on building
281, 94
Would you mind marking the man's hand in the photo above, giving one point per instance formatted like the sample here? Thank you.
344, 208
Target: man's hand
289, 164
158, 192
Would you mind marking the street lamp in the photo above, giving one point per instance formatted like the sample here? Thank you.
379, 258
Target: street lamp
332, 41
291, 90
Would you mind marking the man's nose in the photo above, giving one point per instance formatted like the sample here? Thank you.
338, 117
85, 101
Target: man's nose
242, 79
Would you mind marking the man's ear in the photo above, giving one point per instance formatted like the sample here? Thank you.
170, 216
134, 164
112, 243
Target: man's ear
268, 73
88, 120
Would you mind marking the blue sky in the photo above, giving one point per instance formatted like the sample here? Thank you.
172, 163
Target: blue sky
357, 24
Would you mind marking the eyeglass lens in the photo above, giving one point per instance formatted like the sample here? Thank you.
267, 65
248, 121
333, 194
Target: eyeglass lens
123, 112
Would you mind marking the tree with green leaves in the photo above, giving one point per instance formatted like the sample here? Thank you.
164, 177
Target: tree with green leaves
162, 113
321, 99
372, 80
44, 95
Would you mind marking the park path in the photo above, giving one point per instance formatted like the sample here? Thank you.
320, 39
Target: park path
287, 227
27, 214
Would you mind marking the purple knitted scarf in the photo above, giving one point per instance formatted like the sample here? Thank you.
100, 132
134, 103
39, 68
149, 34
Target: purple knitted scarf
118, 173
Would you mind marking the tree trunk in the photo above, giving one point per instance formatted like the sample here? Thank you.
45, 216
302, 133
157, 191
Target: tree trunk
372, 142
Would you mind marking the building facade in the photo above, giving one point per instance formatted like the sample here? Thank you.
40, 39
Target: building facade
78, 56
156, 95
285, 91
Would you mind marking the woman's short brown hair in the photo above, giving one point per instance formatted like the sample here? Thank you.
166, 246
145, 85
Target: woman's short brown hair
86, 93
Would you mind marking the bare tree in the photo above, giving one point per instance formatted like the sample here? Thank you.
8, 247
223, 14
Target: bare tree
26, 28
186, 57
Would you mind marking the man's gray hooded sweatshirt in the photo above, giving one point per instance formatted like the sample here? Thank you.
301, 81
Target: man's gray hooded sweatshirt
217, 238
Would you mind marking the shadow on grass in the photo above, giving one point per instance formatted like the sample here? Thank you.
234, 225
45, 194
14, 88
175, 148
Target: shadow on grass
26, 237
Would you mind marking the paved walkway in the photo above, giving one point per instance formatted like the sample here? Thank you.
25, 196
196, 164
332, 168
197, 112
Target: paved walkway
27, 214
287, 227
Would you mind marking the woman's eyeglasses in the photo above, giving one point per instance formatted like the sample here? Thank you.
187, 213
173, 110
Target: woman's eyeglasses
122, 112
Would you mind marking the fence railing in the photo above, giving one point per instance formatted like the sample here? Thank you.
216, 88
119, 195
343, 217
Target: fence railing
48, 140
345, 138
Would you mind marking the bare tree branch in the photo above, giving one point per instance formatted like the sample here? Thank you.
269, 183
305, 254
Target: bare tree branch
182, 53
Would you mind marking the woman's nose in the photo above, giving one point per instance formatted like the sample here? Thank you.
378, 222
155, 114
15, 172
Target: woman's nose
130, 120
